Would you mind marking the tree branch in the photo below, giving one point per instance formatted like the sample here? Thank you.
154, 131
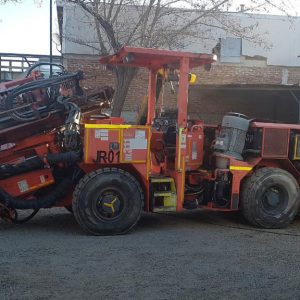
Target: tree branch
100, 38
107, 27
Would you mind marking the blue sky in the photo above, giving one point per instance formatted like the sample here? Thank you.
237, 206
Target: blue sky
24, 27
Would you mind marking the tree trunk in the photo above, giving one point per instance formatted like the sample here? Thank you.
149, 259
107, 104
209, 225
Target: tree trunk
124, 77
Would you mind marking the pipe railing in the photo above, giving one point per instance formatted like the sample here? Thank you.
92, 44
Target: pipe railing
14, 64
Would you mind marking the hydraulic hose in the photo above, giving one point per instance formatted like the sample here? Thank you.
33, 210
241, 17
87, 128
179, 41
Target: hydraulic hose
39, 84
66, 157
30, 164
17, 220
36, 162
47, 200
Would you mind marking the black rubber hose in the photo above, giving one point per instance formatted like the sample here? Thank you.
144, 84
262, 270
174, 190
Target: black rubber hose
66, 157
39, 84
30, 164
16, 219
47, 200
35, 163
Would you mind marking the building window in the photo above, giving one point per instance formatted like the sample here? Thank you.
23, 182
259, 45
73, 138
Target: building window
230, 49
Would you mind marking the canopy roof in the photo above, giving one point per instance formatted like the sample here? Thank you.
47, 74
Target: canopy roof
155, 58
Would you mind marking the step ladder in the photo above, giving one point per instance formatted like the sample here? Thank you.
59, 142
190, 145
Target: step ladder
163, 194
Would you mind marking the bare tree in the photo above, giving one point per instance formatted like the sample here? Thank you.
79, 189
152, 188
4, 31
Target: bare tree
168, 24
7, 1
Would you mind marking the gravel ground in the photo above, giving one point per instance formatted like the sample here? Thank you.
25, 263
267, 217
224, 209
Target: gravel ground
194, 255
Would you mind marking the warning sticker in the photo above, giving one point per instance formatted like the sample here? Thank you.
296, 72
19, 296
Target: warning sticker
23, 186
138, 144
194, 150
42, 178
101, 134
128, 155
140, 134
127, 150
183, 141
135, 144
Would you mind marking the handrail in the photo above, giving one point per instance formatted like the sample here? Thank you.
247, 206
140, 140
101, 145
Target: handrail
12, 64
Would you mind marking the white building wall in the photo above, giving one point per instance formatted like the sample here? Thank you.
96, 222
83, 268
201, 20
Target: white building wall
278, 31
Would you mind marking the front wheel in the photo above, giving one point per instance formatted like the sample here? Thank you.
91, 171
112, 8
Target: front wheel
108, 201
270, 198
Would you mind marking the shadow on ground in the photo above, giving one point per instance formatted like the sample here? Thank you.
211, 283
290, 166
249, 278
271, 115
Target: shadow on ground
60, 221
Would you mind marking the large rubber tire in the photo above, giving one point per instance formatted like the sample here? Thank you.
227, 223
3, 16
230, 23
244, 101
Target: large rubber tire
270, 198
95, 195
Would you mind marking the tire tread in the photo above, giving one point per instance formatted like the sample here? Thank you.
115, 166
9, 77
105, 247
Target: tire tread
82, 183
247, 201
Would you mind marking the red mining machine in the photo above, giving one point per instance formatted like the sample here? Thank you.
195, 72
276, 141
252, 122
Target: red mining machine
108, 171
40, 140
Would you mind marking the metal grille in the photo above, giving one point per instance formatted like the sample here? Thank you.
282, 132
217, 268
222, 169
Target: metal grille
275, 142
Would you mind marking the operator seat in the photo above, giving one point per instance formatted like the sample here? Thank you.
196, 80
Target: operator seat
170, 141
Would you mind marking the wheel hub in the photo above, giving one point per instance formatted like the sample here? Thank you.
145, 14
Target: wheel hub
109, 205
274, 200
272, 197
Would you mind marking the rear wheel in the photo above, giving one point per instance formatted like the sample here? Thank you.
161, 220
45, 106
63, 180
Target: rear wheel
270, 198
107, 201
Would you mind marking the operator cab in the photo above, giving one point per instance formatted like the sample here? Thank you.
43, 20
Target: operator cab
166, 126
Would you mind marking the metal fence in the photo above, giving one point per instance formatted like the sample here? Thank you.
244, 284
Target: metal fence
12, 65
